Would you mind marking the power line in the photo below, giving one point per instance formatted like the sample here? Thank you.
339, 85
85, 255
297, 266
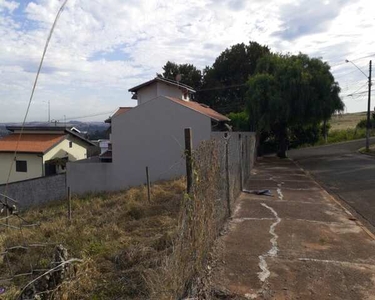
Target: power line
355, 59
33, 91
348, 73
364, 85
362, 92
223, 87
86, 116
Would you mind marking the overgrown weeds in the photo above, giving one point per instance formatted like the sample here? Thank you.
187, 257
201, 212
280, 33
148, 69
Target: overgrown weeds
119, 236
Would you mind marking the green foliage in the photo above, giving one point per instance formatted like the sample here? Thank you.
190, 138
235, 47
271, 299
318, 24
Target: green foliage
305, 135
191, 76
290, 90
363, 123
239, 121
224, 81
336, 136
221, 86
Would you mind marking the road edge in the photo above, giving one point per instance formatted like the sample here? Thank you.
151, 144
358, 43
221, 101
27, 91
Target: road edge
350, 211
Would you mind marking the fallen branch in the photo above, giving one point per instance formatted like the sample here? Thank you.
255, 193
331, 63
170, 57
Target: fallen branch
48, 272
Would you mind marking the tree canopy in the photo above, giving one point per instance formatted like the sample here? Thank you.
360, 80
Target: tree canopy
223, 85
190, 75
290, 90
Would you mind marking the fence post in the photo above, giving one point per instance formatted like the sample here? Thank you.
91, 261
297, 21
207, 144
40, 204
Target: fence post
189, 159
227, 172
148, 185
69, 204
240, 159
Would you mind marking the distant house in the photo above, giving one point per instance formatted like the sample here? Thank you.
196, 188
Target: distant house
41, 151
150, 134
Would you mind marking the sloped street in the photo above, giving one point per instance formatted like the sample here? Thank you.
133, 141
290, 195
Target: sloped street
344, 172
298, 243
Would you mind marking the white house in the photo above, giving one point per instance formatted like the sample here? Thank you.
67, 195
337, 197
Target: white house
41, 151
150, 134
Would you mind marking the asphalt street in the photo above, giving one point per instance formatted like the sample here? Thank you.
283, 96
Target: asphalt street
344, 172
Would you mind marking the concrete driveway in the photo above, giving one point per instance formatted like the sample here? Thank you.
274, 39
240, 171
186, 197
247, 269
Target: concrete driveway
341, 170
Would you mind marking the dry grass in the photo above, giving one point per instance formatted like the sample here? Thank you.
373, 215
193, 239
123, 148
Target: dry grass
120, 236
346, 121
202, 216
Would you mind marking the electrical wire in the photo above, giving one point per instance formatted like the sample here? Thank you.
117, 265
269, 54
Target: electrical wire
86, 116
363, 86
32, 95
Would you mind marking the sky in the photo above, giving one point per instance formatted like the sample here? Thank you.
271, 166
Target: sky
100, 49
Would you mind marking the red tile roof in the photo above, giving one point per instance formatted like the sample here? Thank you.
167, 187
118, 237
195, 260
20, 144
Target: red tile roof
201, 108
30, 143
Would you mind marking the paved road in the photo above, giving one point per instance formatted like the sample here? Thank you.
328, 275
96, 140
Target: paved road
344, 172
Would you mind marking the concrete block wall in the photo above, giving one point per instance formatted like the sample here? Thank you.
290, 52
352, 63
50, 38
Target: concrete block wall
37, 191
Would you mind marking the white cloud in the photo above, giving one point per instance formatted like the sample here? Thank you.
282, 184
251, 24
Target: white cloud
10, 6
102, 48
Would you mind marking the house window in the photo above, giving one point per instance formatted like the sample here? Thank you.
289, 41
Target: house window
21, 166
70, 144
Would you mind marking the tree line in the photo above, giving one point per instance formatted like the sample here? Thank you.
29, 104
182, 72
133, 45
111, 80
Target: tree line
287, 99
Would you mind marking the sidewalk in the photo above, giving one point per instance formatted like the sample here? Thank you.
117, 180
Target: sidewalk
297, 244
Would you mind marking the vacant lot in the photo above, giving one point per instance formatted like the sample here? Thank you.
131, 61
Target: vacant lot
120, 237
346, 121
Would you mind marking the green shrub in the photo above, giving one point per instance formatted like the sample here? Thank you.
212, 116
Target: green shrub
239, 121
363, 123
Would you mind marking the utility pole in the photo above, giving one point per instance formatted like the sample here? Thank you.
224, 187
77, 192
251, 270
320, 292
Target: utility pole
49, 111
368, 127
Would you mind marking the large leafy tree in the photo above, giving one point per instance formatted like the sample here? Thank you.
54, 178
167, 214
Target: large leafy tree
190, 75
224, 84
290, 91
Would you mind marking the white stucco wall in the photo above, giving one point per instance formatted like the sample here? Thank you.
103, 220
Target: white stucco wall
34, 167
153, 135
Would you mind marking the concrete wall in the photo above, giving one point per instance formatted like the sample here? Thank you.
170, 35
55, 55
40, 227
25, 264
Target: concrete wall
36, 191
88, 177
34, 167
148, 135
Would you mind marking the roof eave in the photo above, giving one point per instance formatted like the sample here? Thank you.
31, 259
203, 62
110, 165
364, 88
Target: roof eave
19, 151
138, 87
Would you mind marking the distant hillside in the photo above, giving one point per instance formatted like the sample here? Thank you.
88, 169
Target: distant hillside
346, 121
95, 130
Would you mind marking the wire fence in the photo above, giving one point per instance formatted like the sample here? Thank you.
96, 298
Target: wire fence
220, 169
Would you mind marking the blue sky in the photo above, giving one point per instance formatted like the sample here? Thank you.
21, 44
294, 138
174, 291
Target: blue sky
102, 48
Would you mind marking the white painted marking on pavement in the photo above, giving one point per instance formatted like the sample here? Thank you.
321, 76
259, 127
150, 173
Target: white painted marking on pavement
265, 273
279, 192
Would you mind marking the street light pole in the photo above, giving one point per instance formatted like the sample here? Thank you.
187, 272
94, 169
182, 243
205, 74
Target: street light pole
368, 127
368, 123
